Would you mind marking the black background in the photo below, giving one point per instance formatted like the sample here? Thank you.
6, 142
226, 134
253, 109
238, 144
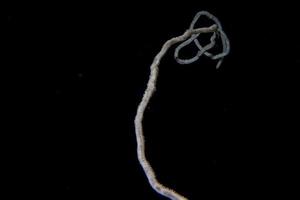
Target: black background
76, 73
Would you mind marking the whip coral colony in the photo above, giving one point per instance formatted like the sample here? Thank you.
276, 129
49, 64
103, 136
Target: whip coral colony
188, 37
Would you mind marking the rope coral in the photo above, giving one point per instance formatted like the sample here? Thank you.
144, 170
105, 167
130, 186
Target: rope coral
189, 36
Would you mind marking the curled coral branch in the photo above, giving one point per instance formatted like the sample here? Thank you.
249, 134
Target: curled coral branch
190, 35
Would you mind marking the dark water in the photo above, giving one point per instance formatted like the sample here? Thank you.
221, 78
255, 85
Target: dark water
76, 74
